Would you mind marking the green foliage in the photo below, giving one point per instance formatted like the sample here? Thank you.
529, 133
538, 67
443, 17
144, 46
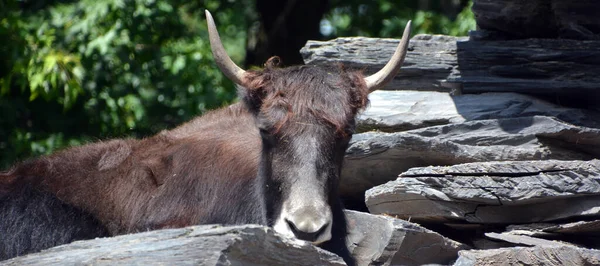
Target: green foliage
386, 18
103, 68
465, 21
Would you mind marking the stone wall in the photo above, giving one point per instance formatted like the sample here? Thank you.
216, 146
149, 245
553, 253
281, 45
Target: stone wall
491, 140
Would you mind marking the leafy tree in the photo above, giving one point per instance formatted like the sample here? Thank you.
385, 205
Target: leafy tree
93, 69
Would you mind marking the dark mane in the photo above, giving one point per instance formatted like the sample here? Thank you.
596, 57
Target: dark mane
327, 95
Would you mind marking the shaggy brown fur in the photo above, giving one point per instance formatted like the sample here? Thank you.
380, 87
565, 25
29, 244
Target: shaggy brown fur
129, 184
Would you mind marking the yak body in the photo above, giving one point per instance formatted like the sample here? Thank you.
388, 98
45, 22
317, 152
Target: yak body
201, 172
213, 169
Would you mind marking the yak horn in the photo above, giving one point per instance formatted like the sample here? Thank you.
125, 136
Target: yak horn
389, 71
225, 64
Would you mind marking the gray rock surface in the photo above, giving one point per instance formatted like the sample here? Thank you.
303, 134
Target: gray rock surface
493, 192
582, 233
430, 61
393, 111
383, 240
374, 158
197, 245
555, 68
561, 70
564, 255
372, 240
525, 240
587, 228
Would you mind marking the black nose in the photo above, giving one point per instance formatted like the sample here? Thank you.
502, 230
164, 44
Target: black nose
307, 236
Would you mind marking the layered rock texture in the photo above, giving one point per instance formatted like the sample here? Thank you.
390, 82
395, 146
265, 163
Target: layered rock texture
372, 240
492, 140
512, 192
560, 70
384, 240
197, 245
433, 128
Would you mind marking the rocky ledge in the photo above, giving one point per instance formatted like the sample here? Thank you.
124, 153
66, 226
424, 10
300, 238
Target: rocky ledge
372, 240
492, 192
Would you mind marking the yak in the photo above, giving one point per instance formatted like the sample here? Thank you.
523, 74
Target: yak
274, 158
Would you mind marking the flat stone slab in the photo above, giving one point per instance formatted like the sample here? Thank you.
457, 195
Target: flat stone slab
582, 233
393, 111
586, 228
372, 240
562, 70
525, 240
374, 158
564, 255
383, 240
196, 245
430, 61
493, 192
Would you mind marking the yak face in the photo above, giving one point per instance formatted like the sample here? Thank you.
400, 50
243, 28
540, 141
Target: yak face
301, 176
306, 118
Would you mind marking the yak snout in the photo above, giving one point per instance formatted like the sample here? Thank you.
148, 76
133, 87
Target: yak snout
308, 223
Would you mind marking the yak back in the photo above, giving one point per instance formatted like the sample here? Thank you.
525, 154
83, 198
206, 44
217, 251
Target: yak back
203, 171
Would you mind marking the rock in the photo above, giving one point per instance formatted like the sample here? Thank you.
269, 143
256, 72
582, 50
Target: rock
587, 228
430, 61
382, 240
525, 240
374, 158
539, 18
564, 255
372, 240
577, 19
582, 233
393, 111
493, 192
560, 70
196, 245
484, 243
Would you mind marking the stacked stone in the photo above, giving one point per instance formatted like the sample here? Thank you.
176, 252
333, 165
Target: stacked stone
492, 140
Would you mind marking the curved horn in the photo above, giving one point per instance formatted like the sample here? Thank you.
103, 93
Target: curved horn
387, 73
225, 64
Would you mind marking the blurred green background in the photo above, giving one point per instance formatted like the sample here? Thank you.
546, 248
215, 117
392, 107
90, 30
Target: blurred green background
79, 71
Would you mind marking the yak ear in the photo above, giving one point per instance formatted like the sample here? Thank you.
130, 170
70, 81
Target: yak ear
360, 96
258, 83
251, 97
